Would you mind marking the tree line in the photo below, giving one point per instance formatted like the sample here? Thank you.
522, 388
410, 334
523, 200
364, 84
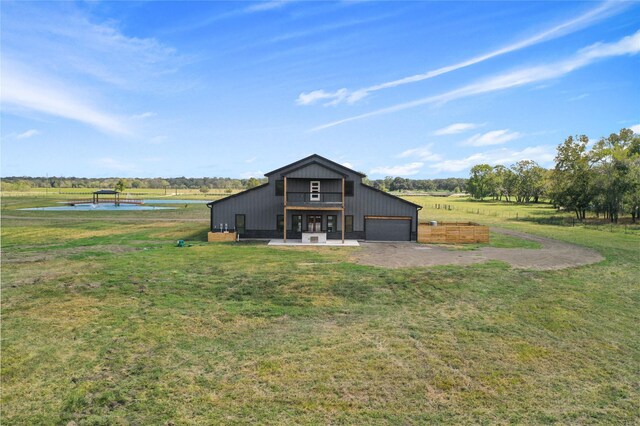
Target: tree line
26, 182
602, 178
204, 184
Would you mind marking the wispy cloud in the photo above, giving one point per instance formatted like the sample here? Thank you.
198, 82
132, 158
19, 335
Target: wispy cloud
494, 137
401, 170
57, 61
266, 5
143, 115
456, 128
629, 45
21, 89
579, 97
543, 154
423, 153
345, 95
635, 128
250, 160
28, 134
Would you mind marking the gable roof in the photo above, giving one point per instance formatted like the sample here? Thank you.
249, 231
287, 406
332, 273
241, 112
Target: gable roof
312, 163
314, 158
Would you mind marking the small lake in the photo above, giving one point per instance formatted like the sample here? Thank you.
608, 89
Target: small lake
171, 201
100, 207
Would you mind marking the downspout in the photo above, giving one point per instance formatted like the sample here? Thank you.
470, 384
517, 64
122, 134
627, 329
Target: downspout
417, 223
210, 207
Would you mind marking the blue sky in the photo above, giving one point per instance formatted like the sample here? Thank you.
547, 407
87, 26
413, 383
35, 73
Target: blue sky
413, 89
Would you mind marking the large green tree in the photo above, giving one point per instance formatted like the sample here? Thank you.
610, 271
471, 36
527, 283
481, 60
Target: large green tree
481, 181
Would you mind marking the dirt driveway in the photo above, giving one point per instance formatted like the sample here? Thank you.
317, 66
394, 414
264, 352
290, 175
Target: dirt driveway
554, 254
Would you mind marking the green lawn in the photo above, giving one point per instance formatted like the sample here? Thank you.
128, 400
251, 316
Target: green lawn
107, 322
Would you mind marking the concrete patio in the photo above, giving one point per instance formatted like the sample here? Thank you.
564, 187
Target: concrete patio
329, 243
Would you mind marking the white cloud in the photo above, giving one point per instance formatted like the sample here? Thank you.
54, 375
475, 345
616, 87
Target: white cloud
266, 5
455, 128
250, 160
629, 45
635, 129
317, 95
422, 153
28, 134
344, 95
57, 61
543, 155
144, 115
494, 137
347, 165
579, 97
402, 170
21, 89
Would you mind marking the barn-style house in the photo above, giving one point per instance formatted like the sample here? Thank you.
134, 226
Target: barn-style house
315, 199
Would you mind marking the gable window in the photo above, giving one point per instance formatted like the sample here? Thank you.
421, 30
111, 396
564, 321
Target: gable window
348, 188
332, 220
279, 187
280, 222
296, 223
348, 223
314, 189
241, 221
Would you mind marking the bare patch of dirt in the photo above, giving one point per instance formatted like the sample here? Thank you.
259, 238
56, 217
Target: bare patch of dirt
554, 254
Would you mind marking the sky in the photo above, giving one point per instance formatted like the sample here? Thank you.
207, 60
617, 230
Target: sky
415, 89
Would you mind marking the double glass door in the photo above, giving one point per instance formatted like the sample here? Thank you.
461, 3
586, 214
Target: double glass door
314, 223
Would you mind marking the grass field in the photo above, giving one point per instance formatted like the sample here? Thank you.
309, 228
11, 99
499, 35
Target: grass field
105, 321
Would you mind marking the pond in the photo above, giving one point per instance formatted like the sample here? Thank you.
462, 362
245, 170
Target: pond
170, 201
100, 207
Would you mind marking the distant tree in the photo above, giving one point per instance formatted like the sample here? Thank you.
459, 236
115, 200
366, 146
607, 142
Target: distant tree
252, 183
572, 179
121, 185
204, 189
480, 181
616, 158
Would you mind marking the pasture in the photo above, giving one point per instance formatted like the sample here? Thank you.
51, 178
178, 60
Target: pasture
105, 321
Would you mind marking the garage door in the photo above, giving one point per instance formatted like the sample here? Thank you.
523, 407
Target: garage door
388, 229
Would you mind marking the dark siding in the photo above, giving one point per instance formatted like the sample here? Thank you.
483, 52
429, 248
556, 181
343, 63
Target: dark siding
369, 202
313, 171
261, 206
388, 229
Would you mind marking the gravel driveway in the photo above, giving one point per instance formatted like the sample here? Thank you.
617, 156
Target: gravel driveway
554, 254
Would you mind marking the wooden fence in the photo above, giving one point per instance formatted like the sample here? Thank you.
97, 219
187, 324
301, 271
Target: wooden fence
218, 237
453, 233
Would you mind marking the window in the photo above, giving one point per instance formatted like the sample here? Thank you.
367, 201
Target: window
241, 221
280, 222
348, 188
314, 189
279, 187
331, 223
348, 223
296, 223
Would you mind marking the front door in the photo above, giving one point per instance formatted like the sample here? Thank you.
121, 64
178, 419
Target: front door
314, 223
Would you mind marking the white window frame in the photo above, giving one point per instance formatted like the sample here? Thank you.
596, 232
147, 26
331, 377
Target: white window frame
314, 190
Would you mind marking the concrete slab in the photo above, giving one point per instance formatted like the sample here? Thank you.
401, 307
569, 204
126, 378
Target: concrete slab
329, 243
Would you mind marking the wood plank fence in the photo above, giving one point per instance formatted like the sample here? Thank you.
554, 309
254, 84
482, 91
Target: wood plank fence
453, 233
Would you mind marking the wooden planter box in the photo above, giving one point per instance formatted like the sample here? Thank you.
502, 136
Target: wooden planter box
218, 237
453, 233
